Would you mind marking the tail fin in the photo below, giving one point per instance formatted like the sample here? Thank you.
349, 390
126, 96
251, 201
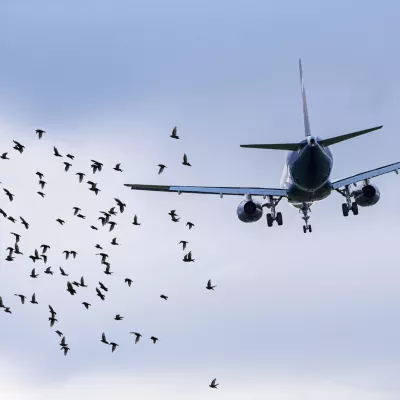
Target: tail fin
305, 109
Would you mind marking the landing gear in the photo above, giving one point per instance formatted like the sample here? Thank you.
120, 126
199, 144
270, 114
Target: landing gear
305, 209
273, 215
349, 205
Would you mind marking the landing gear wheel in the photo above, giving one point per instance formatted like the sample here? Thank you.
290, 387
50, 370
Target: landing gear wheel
345, 210
279, 218
309, 228
270, 220
304, 229
354, 208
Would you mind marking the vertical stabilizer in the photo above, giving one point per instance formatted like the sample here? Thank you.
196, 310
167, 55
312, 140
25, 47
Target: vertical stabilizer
305, 109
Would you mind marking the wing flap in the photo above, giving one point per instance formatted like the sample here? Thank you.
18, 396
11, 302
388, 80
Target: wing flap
229, 191
366, 175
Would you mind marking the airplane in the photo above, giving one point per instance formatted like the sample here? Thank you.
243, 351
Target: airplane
305, 178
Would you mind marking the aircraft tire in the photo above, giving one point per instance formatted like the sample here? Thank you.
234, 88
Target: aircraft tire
345, 210
279, 218
304, 229
354, 208
270, 221
309, 228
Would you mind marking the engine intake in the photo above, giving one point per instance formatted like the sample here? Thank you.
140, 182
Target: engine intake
367, 196
249, 211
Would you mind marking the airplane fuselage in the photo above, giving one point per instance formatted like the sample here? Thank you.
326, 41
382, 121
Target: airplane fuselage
307, 171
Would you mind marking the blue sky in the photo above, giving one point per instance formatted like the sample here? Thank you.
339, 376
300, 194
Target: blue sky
294, 316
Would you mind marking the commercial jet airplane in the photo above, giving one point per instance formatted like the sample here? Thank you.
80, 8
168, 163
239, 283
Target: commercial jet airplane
305, 178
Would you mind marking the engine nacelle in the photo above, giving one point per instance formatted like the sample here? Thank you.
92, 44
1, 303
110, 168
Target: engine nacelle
249, 211
367, 196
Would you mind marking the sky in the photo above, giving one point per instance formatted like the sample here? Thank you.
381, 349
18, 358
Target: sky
293, 316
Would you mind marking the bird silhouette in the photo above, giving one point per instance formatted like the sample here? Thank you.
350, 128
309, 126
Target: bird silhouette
135, 221
9, 194
56, 153
163, 296
87, 305
4, 156
33, 301
33, 274
183, 243
209, 287
138, 336
128, 281
154, 339
103, 339
40, 133
162, 167
173, 134
81, 175
214, 384
118, 168
185, 161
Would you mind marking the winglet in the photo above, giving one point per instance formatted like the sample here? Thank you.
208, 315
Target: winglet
305, 109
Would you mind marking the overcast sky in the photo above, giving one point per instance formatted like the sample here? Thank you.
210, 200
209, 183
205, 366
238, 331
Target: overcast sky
294, 316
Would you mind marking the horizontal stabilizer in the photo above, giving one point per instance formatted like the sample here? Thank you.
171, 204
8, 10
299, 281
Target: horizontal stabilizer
338, 139
282, 146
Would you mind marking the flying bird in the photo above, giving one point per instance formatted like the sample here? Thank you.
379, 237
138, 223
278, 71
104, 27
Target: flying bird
135, 222
40, 133
214, 384
67, 165
76, 210
63, 272
173, 134
33, 274
56, 153
40, 175
118, 168
154, 339
209, 287
121, 205
9, 194
41, 194
185, 161
184, 243
70, 156
101, 295
128, 281
114, 242
118, 317
163, 296
67, 253
138, 336
4, 156
26, 225
59, 333
103, 287
22, 297
66, 349
60, 221
162, 167
42, 183
48, 271
114, 346
70, 288
33, 301
103, 339
188, 257
190, 225
87, 305
112, 225
81, 175
44, 247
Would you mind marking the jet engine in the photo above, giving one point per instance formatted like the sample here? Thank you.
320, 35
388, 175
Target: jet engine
249, 211
367, 196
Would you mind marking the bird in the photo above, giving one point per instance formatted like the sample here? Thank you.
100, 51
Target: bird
9, 194
40, 133
81, 175
107, 270
44, 258
12, 219
82, 283
7, 310
42, 183
175, 219
118, 168
63, 272
33, 274
4, 156
3, 213
70, 156
118, 317
81, 216
60, 221
209, 287
66, 349
190, 225
1, 302
173, 134
138, 336
112, 225
114, 242
70, 288
162, 167
59, 333
67, 253
87, 305
41, 194
173, 213
98, 247
76, 210
103, 287
121, 205
103, 256
33, 301
163, 296
135, 222
22, 297
188, 257
63, 344
52, 321
94, 228
214, 384
154, 339
26, 225
67, 165
101, 295
114, 346
56, 153
112, 211
52, 312
184, 243
18, 146
48, 271
74, 253
17, 236
128, 281
103, 338
185, 161
40, 175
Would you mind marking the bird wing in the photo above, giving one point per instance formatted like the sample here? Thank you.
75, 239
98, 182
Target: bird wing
185, 158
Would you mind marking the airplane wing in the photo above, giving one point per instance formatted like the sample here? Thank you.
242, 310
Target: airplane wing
234, 191
366, 175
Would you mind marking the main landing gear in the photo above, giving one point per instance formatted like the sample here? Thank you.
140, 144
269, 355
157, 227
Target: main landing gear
273, 215
305, 209
349, 205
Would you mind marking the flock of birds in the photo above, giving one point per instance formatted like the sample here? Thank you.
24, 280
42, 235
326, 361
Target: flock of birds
105, 219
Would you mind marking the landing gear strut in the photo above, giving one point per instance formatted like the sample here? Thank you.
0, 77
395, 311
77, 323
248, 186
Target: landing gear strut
305, 209
349, 205
273, 215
